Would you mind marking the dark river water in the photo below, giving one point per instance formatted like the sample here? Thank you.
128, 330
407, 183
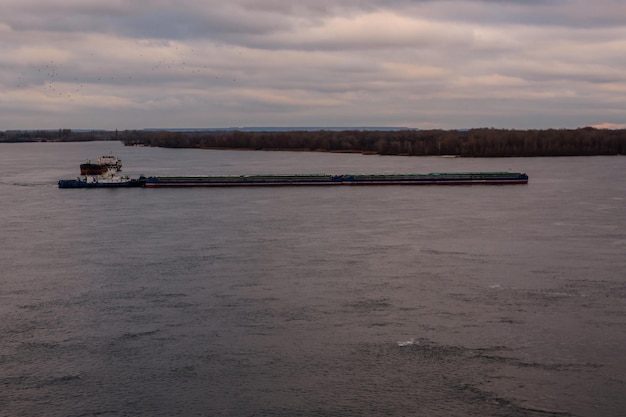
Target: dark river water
329, 301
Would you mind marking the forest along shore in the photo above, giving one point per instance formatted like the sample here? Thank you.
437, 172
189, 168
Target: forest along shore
486, 142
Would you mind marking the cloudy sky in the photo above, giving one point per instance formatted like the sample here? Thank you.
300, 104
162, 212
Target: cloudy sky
108, 64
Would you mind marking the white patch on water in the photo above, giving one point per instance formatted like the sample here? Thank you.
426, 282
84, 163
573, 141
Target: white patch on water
410, 342
559, 294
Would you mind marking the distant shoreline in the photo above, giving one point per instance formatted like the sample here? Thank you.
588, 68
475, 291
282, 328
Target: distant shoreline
467, 143
486, 142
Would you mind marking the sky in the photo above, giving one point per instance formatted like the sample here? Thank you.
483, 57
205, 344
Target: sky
120, 64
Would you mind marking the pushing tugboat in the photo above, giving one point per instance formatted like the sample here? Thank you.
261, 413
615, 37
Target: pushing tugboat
102, 174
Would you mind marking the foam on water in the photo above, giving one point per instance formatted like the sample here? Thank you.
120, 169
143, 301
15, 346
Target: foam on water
409, 342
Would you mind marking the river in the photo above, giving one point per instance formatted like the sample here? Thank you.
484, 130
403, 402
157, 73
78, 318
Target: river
315, 301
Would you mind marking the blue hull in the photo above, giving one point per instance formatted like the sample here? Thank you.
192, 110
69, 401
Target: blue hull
84, 184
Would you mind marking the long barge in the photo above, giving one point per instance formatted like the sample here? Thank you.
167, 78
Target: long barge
443, 178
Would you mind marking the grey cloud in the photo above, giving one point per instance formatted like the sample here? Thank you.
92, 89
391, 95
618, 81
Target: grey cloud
236, 20
565, 13
447, 63
158, 23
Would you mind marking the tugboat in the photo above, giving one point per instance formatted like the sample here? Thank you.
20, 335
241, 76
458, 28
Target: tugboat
102, 174
105, 164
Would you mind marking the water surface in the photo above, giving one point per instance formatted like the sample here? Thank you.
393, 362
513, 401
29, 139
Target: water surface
329, 301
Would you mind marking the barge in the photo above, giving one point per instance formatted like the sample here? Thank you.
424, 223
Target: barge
444, 178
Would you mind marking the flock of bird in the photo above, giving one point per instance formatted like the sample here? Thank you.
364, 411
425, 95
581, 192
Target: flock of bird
53, 80
48, 78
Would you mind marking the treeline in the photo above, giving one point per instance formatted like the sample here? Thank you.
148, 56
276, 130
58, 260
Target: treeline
470, 143
60, 135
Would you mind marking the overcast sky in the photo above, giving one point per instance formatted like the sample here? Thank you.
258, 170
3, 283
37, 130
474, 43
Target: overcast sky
108, 64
